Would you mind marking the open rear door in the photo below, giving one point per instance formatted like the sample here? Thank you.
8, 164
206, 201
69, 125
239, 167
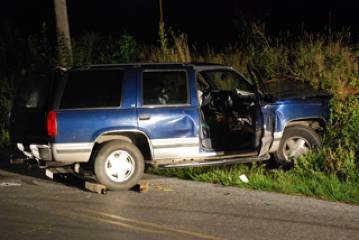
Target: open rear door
28, 115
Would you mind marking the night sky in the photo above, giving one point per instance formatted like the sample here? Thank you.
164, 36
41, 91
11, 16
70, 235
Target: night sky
203, 20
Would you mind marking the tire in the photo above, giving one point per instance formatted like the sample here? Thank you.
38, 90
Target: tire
296, 141
119, 165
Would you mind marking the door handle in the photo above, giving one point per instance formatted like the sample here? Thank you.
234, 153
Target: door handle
144, 117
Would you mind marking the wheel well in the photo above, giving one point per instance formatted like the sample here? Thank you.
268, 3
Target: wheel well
317, 124
138, 139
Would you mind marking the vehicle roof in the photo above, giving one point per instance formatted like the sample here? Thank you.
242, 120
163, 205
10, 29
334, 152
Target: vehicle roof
152, 65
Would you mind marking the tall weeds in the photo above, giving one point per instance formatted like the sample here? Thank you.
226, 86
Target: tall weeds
328, 62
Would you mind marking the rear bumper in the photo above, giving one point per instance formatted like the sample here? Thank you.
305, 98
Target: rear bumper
36, 151
66, 152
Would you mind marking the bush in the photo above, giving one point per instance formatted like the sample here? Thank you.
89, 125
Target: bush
4, 111
328, 62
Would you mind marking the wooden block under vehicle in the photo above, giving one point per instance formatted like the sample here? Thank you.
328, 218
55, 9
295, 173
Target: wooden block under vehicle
95, 187
143, 186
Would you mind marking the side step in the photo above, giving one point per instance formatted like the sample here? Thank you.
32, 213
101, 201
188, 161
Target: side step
208, 162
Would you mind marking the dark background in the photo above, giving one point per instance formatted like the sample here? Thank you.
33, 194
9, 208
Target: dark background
203, 20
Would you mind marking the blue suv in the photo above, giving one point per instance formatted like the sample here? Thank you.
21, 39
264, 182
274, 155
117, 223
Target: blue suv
112, 120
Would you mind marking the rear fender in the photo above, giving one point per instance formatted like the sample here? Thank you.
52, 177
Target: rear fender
137, 137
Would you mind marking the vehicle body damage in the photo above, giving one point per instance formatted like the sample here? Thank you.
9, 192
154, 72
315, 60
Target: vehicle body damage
165, 115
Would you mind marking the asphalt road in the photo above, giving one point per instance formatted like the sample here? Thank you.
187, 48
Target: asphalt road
33, 207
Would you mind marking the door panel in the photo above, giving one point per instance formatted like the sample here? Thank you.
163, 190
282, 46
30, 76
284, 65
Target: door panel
166, 114
231, 110
163, 123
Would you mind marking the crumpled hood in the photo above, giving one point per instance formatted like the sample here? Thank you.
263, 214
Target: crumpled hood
292, 89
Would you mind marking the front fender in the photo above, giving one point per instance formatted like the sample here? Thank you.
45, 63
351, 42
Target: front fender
287, 112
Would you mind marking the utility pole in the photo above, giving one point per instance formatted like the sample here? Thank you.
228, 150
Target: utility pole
63, 34
162, 34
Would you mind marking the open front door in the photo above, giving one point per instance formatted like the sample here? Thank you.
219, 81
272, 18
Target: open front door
230, 110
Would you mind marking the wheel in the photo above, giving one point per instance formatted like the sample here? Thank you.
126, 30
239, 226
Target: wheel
296, 141
119, 165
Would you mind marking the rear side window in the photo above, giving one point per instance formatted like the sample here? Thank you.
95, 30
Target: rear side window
164, 88
33, 92
92, 89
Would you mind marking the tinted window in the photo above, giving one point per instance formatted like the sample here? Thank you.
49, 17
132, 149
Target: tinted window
33, 92
92, 89
160, 88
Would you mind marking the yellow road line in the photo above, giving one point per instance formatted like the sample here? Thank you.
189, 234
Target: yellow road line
125, 225
145, 223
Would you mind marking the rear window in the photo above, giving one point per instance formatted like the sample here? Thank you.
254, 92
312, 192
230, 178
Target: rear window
92, 89
33, 92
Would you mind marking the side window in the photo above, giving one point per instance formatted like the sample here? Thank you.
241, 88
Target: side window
162, 88
92, 89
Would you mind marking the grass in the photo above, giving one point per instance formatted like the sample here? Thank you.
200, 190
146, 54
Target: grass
315, 184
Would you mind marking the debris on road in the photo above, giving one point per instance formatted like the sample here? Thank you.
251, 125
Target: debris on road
143, 186
243, 178
9, 184
163, 189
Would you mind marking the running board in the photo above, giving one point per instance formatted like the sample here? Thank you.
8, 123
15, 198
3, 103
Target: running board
208, 162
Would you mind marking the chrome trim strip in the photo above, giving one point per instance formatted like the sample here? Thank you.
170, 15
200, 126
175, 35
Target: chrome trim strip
177, 152
176, 147
70, 146
72, 152
175, 142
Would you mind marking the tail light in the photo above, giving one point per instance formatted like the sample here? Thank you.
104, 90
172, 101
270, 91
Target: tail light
51, 124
